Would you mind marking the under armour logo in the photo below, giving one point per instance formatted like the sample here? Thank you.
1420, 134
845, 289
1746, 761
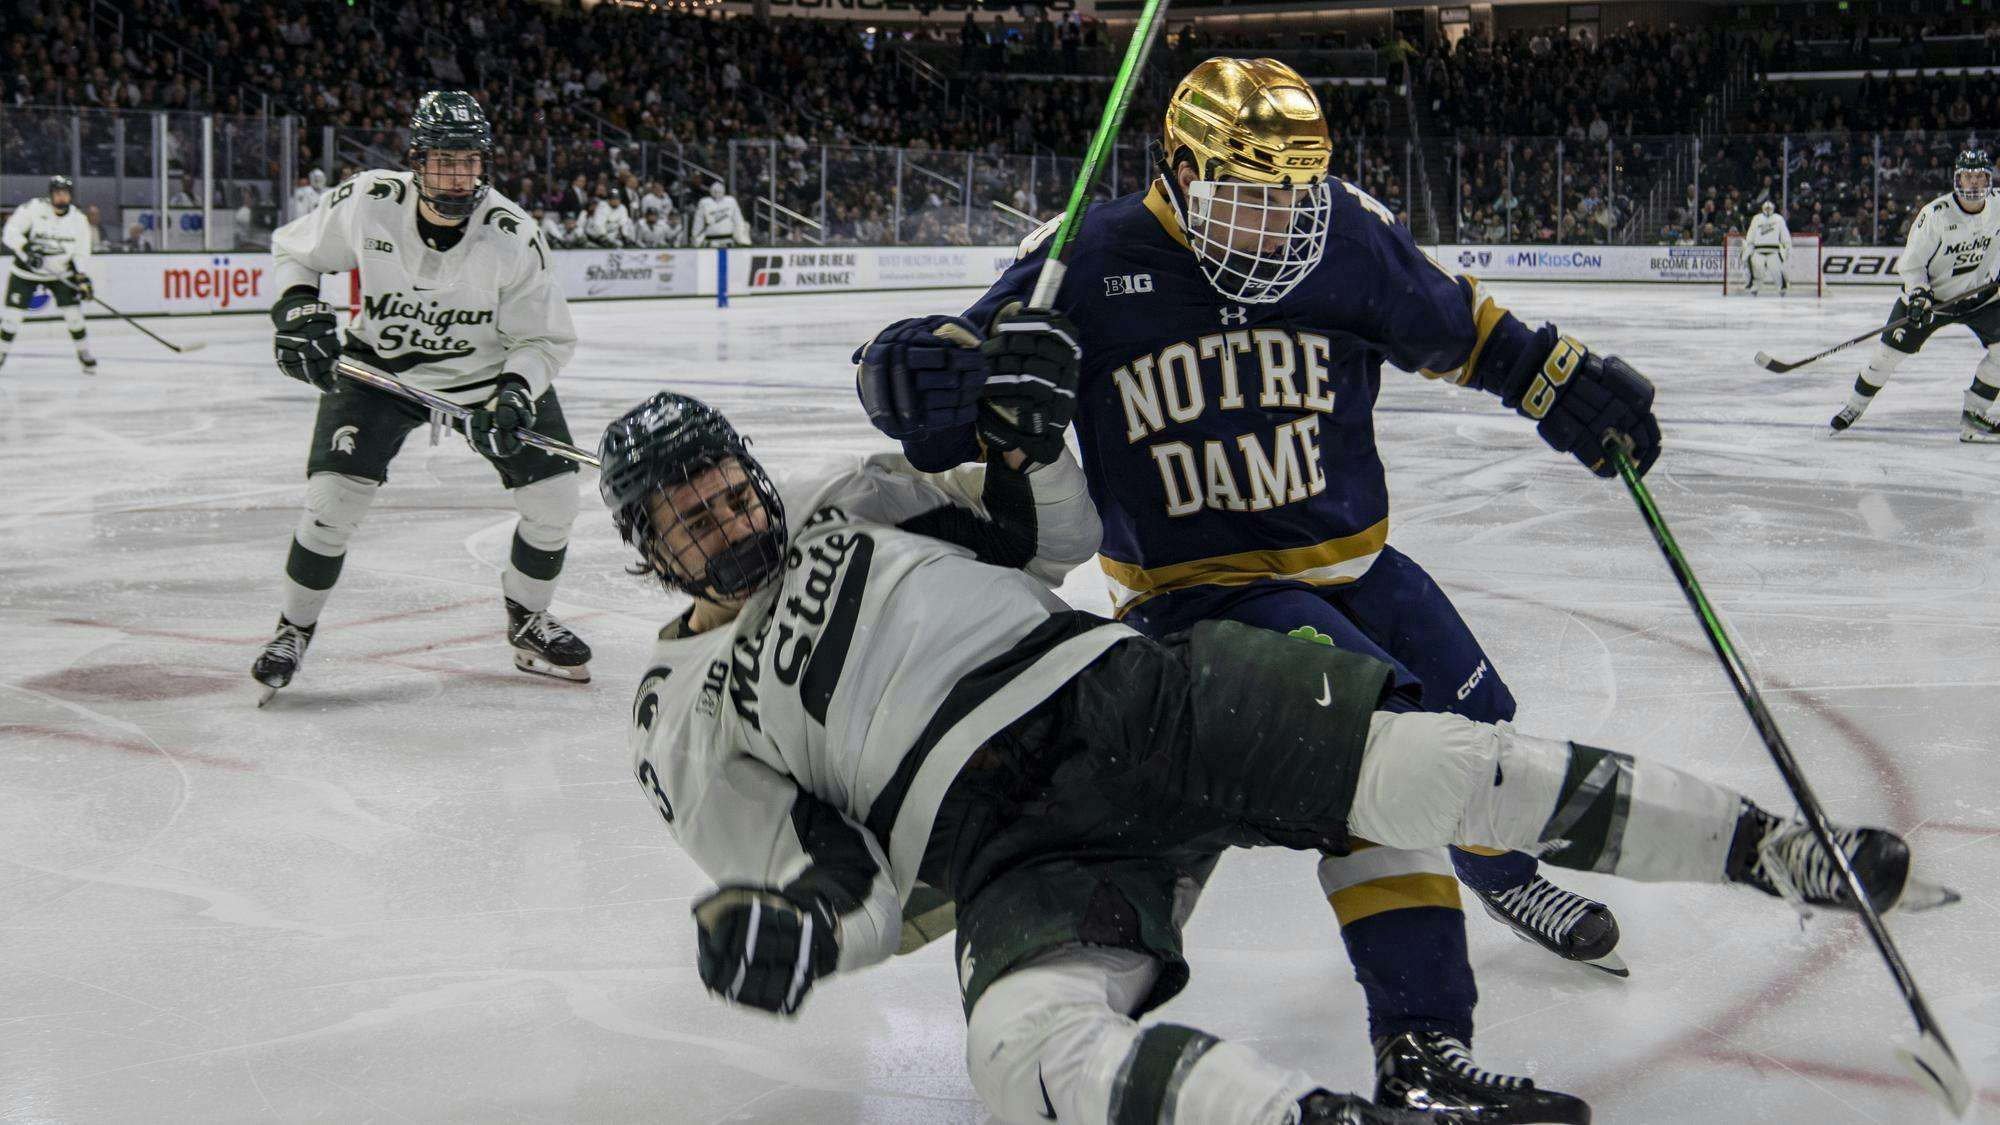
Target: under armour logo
343, 439
1236, 315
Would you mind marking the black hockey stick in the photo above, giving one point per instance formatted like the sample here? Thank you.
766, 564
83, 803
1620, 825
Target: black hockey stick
181, 348
1967, 305
450, 409
1931, 1061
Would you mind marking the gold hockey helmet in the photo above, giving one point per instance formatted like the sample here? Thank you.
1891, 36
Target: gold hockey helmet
1250, 120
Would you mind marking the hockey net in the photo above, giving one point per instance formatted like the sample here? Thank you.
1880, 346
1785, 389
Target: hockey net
1803, 275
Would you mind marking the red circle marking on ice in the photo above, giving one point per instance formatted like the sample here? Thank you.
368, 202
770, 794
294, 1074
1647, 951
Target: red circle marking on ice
138, 683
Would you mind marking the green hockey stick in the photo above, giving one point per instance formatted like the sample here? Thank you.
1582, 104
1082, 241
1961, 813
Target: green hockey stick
1057, 264
1930, 1060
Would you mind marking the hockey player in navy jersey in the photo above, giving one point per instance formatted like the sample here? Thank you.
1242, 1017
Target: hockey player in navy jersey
1219, 341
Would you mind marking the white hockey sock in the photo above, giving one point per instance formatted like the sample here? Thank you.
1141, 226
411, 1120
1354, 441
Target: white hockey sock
303, 605
534, 562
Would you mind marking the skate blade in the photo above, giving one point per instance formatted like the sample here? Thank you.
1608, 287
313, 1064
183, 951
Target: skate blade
1920, 895
1610, 964
1929, 1060
580, 674
265, 694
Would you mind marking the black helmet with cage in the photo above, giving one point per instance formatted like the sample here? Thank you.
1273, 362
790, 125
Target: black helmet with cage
450, 121
1972, 176
683, 489
68, 188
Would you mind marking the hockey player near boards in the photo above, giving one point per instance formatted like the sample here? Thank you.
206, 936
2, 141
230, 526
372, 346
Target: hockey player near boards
718, 221
48, 241
877, 699
1231, 323
457, 298
1950, 253
1767, 246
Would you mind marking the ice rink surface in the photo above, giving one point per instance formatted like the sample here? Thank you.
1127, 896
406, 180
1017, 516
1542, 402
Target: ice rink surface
423, 887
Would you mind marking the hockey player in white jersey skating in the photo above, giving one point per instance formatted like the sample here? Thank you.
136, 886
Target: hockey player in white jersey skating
877, 702
49, 244
1767, 246
458, 298
718, 221
1950, 253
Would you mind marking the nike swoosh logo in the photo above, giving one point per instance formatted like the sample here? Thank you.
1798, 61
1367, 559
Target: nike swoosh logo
1048, 1107
1325, 690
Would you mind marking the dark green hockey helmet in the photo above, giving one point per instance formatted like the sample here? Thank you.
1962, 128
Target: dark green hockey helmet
1972, 175
451, 122
65, 185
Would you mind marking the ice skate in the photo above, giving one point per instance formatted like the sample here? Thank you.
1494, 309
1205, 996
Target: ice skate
1322, 1108
1848, 415
1434, 1073
546, 646
1563, 922
279, 661
88, 361
1783, 858
1977, 427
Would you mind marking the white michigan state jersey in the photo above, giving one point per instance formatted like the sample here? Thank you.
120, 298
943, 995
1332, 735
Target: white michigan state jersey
451, 322
62, 240
820, 729
1768, 233
1950, 252
719, 218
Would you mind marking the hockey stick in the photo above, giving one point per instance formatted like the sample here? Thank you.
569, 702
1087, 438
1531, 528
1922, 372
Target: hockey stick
169, 344
1931, 1061
1972, 303
1057, 263
450, 409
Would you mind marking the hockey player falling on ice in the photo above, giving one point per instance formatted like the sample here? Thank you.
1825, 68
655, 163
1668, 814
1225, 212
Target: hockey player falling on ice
718, 221
1767, 246
1949, 254
457, 297
1232, 322
49, 241
876, 693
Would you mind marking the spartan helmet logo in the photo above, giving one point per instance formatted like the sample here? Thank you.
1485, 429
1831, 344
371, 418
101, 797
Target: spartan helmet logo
343, 439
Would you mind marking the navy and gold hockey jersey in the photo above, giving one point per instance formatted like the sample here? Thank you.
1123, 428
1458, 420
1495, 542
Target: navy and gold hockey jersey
1227, 444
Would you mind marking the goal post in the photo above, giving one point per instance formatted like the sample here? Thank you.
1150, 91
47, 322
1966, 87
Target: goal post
1804, 275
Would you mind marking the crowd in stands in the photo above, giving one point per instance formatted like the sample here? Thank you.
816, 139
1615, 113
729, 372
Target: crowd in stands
626, 111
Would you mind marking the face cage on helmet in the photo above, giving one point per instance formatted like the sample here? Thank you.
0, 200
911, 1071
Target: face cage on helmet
738, 571
453, 206
1213, 210
1970, 195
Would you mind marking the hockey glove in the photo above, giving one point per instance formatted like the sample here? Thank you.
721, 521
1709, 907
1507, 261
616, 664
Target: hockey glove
491, 425
84, 289
308, 341
1921, 307
764, 948
30, 257
1033, 361
921, 375
1578, 398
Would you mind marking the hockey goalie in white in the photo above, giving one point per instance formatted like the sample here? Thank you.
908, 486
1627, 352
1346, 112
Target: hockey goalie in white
718, 221
1947, 268
1767, 246
458, 297
878, 723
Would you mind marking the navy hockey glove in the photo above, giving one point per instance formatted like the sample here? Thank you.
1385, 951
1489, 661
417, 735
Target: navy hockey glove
1921, 307
308, 341
1577, 399
1033, 361
764, 948
84, 289
920, 376
491, 425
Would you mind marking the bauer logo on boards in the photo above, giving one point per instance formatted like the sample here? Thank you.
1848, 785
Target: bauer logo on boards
219, 281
